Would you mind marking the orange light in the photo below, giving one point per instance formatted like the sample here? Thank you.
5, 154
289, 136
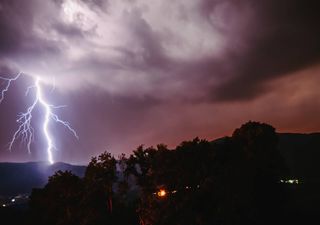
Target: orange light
162, 193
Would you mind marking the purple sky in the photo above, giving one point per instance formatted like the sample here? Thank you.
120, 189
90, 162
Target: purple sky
146, 72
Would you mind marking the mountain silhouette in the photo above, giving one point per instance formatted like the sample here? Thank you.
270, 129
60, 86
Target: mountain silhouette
300, 151
302, 155
20, 178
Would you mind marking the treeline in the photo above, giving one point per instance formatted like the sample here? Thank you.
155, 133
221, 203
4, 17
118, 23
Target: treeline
234, 180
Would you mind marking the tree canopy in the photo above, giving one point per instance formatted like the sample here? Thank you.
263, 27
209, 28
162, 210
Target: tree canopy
233, 180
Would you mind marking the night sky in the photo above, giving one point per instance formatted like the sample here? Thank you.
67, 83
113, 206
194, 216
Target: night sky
146, 72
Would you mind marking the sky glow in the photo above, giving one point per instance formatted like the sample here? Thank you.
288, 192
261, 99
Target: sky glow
149, 72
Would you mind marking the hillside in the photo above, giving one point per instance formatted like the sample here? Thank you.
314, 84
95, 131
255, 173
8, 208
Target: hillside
18, 178
301, 153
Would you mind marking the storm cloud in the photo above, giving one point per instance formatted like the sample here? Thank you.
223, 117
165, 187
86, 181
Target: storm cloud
230, 48
129, 64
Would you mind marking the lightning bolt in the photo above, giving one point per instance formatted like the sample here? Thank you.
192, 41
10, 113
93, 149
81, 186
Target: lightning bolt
25, 131
7, 86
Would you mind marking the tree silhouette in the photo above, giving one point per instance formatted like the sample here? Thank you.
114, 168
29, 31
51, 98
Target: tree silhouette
234, 180
230, 182
96, 202
259, 143
57, 202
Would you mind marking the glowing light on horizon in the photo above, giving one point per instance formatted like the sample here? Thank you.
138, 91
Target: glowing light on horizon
290, 181
25, 131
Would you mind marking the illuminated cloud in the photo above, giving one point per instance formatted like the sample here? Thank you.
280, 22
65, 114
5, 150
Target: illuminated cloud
132, 63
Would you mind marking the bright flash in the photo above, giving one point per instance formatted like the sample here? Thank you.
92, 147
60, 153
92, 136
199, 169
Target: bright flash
25, 130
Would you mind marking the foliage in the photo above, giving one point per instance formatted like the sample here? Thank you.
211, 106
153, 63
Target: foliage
57, 202
230, 181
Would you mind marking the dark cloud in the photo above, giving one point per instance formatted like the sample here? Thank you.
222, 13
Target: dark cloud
96, 3
151, 53
68, 30
263, 39
17, 37
140, 71
15, 20
284, 38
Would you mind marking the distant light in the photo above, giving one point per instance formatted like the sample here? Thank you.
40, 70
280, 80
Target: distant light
162, 193
13, 200
3, 205
290, 181
293, 181
174, 191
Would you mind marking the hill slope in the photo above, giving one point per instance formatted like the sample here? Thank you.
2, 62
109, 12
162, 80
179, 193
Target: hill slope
302, 155
17, 178
301, 152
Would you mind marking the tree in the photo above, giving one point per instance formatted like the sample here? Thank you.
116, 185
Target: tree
266, 166
99, 198
234, 180
222, 182
96, 204
58, 201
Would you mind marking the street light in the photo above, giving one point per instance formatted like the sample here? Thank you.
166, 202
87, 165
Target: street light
161, 193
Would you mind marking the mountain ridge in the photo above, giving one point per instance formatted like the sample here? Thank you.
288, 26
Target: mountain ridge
20, 178
300, 151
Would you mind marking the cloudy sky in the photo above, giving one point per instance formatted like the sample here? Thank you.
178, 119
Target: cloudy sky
151, 71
